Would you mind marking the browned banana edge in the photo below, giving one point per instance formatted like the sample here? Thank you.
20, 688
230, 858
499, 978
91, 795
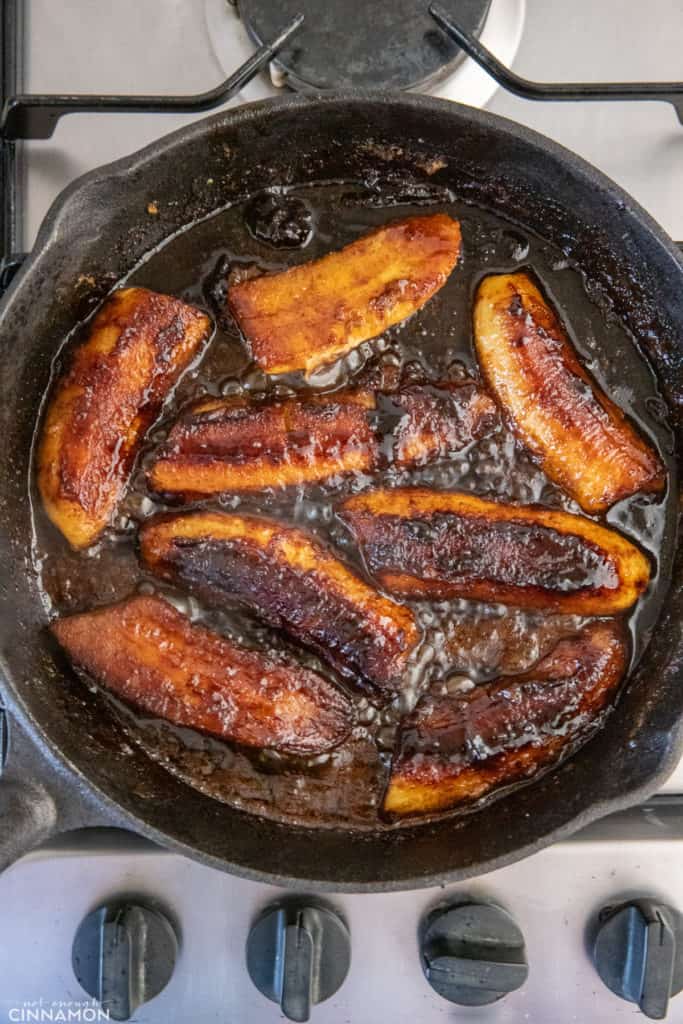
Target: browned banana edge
151, 656
455, 750
290, 580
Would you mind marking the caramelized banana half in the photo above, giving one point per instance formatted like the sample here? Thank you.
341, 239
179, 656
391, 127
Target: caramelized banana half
434, 544
582, 440
312, 314
456, 749
224, 445
137, 347
146, 652
237, 445
291, 581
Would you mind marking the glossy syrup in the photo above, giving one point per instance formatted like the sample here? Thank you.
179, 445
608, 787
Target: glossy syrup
464, 642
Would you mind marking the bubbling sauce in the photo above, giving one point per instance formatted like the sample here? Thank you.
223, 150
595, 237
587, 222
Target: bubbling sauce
464, 643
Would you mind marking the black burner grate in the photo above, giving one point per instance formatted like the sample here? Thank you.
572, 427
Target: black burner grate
388, 44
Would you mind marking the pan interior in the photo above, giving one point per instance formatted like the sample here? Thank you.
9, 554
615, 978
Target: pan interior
462, 639
109, 223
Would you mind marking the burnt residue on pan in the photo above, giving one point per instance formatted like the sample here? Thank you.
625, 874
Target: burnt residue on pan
462, 640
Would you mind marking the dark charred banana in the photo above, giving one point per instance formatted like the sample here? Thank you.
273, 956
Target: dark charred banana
291, 581
222, 445
453, 750
312, 314
146, 652
434, 544
582, 440
138, 346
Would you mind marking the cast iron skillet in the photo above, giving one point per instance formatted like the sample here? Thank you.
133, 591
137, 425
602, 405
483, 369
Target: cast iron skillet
96, 231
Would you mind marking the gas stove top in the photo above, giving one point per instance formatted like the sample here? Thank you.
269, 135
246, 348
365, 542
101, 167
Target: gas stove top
554, 897
187, 940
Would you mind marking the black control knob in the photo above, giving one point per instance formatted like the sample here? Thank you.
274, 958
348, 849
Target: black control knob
473, 953
123, 955
298, 955
638, 953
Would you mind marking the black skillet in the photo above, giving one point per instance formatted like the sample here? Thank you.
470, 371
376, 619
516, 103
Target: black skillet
96, 231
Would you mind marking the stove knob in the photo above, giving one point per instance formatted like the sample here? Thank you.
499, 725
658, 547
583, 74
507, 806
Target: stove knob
473, 953
638, 953
298, 955
123, 955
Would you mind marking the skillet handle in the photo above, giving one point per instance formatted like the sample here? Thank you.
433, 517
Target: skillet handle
37, 801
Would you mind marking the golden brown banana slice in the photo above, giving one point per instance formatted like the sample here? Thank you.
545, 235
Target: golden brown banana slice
137, 347
312, 314
436, 544
453, 750
236, 445
582, 439
291, 581
225, 445
146, 652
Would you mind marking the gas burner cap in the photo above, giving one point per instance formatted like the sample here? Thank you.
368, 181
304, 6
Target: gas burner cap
389, 44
